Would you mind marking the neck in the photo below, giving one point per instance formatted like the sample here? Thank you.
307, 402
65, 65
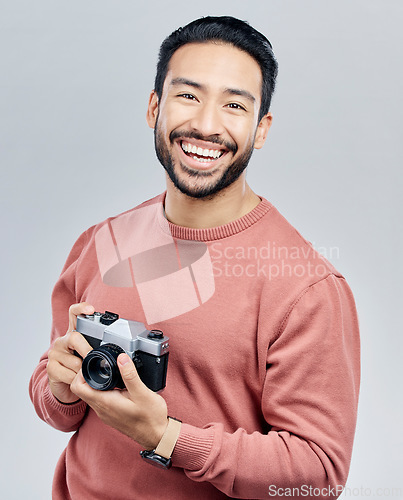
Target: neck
200, 213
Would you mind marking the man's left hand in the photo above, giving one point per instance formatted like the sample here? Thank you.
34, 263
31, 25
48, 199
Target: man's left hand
135, 411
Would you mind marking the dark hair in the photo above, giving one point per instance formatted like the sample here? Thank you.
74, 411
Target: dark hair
229, 30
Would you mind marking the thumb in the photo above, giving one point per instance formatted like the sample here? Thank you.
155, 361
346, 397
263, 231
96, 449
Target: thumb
129, 375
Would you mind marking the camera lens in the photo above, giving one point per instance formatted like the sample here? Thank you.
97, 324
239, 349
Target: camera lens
105, 368
100, 368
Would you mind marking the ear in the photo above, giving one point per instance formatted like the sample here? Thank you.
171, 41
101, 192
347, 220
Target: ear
152, 110
263, 130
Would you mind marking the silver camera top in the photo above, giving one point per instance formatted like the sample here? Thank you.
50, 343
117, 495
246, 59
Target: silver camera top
131, 336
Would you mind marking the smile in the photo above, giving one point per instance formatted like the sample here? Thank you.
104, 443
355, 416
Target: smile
200, 154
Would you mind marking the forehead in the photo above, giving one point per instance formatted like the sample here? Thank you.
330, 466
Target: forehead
216, 65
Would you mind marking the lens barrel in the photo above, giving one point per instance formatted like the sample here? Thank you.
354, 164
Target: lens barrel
100, 368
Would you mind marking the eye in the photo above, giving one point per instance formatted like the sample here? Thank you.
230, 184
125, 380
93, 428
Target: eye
190, 97
234, 105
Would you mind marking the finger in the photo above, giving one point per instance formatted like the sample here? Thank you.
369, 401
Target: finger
59, 373
66, 359
69, 343
96, 399
79, 387
131, 379
77, 343
77, 309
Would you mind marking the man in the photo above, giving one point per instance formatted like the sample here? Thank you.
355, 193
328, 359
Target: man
264, 350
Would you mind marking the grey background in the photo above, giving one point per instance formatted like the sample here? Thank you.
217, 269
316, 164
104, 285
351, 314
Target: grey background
74, 148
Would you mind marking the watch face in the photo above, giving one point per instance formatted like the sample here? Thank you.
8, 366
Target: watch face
156, 460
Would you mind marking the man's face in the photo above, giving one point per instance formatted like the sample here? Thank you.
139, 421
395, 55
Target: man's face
206, 122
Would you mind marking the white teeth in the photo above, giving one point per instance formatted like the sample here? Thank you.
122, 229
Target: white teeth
208, 154
203, 160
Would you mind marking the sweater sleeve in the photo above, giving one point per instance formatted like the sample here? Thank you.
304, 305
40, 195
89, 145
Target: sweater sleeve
309, 401
65, 417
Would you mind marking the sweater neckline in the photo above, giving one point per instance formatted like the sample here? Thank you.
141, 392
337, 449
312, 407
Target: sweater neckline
213, 233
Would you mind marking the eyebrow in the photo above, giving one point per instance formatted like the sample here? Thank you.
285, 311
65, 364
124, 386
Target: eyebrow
185, 81
230, 91
242, 93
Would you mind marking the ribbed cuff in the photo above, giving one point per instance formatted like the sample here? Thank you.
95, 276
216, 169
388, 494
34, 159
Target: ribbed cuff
193, 447
65, 409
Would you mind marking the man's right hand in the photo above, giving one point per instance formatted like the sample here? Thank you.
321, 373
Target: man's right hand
63, 365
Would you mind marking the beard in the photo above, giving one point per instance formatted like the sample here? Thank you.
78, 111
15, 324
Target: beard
200, 183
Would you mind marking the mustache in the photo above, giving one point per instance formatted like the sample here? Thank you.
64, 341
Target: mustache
176, 134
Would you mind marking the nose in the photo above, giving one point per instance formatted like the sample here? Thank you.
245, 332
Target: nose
207, 120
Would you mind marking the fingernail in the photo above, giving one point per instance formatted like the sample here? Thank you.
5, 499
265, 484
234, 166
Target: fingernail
123, 359
88, 309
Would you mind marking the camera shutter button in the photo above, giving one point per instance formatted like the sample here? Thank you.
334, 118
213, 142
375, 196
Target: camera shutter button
155, 335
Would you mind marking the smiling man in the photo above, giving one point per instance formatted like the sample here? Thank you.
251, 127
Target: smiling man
207, 122
263, 375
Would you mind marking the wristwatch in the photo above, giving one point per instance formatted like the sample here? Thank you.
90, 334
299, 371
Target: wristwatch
161, 456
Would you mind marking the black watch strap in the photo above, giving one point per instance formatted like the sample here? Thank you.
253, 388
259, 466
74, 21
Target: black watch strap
157, 460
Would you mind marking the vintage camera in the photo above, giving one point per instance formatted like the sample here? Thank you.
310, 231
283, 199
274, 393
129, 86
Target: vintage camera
110, 336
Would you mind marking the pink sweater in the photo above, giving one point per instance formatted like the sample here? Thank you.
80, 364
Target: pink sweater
263, 368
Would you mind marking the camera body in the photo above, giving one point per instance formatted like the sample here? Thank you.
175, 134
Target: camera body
110, 336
